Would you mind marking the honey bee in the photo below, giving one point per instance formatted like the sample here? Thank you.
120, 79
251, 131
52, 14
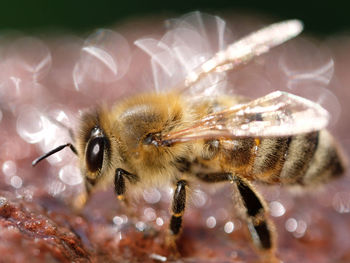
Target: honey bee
152, 139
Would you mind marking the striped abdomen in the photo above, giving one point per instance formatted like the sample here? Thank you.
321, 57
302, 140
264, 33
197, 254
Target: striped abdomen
302, 159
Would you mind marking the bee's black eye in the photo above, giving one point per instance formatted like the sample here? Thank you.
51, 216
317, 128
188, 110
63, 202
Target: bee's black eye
94, 153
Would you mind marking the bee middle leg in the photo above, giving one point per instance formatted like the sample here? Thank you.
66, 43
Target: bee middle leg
255, 210
178, 209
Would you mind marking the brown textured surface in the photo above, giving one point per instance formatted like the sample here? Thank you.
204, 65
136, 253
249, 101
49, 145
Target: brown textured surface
37, 227
29, 233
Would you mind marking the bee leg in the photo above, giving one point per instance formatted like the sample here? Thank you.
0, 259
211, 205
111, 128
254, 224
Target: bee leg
119, 184
178, 209
81, 199
214, 177
259, 225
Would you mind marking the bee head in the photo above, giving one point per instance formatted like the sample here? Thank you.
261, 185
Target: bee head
94, 144
93, 148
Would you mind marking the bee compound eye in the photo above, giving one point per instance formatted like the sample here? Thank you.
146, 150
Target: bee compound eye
94, 153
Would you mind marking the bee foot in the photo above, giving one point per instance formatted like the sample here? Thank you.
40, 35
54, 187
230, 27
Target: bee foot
170, 243
270, 257
79, 202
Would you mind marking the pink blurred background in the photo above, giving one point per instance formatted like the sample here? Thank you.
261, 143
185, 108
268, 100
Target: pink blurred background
59, 76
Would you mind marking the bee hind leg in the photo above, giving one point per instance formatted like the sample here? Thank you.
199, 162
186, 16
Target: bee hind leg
256, 214
255, 211
259, 225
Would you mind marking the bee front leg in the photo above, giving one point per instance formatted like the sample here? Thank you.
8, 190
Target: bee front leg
178, 209
82, 198
119, 183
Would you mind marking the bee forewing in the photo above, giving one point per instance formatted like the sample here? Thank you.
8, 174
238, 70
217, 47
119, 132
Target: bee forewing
245, 49
274, 115
187, 60
277, 114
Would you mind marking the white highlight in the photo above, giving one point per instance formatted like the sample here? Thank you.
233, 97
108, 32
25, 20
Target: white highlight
199, 198
70, 174
149, 214
277, 209
119, 220
229, 227
31, 125
297, 227
16, 182
159, 221
158, 257
211, 222
103, 56
291, 225
141, 226
341, 202
9, 168
56, 187
151, 196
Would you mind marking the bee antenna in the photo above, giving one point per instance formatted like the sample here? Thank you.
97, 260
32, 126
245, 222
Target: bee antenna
57, 149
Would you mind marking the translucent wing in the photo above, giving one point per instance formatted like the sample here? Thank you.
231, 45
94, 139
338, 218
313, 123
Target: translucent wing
244, 50
189, 42
274, 115
185, 60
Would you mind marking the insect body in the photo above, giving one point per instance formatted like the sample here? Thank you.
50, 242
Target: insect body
137, 144
153, 139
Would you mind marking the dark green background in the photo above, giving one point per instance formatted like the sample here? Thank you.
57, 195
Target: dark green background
321, 17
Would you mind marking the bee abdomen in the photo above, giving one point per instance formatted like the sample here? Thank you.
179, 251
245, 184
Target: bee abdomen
327, 162
303, 159
298, 156
237, 152
269, 158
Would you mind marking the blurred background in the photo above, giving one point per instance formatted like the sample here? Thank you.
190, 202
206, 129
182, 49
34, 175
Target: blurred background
47, 77
321, 17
